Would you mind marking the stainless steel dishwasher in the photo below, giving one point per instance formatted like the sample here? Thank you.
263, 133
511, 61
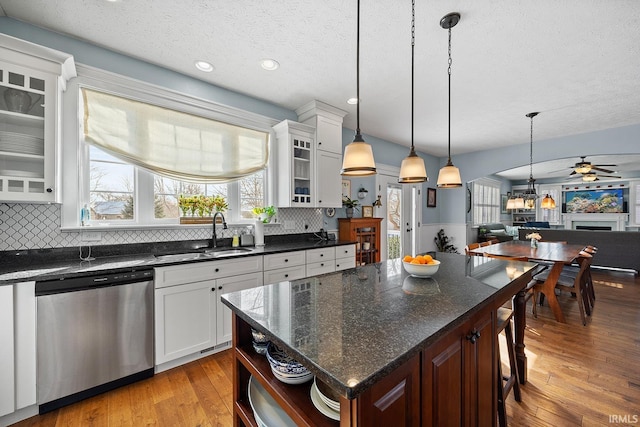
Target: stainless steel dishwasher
94, 334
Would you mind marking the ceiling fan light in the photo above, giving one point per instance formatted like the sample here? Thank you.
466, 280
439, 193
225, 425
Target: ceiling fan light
548, 202
583, 168
358, 159
412, 169
589, 177
449, 177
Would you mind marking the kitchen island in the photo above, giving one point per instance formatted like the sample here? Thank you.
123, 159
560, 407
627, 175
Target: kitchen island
397, 349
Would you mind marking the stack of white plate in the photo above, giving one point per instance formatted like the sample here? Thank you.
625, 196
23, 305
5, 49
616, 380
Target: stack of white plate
266, 411
21, 143
327, 406
285, 368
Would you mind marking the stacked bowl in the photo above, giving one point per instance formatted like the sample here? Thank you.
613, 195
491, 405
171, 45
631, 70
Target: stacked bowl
260, 341
285, 368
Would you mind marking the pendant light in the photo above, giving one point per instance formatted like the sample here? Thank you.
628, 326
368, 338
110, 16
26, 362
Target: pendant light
548, 202
412, 169
358, 155
449, 176
530, 195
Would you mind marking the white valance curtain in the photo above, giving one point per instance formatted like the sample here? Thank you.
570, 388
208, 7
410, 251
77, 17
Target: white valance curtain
172, 143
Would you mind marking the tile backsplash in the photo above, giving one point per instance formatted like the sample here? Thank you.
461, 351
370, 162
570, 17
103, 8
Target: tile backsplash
37, 226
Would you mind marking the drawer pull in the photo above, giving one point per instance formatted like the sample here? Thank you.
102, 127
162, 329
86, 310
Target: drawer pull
286, 260
220, 287
217, 270
286, 275
213, 289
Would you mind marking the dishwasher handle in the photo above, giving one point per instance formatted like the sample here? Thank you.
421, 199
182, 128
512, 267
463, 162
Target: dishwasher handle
74, 284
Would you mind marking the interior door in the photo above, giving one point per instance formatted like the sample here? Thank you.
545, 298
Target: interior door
401, 214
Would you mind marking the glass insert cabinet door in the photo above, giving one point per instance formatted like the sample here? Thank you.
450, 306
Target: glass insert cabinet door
23, 95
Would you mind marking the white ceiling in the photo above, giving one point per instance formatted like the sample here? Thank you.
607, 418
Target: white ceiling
575, 61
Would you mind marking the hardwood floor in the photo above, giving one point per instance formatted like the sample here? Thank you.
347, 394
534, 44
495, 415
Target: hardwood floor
578, 376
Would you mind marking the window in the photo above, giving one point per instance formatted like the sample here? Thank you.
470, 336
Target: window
117, 193
130, 182
486, 201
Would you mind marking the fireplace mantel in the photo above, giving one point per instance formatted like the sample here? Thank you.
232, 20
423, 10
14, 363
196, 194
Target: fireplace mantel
616, 221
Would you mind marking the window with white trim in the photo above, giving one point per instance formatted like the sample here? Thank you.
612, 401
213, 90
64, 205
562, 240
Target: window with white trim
486, 201
133, 193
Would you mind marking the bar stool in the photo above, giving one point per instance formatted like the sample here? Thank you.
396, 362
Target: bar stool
511, 381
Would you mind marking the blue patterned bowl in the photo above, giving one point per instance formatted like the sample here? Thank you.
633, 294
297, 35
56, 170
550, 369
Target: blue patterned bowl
281, 362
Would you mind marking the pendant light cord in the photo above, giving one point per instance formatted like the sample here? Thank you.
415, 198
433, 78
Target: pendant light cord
449, 72
531, 151
358, 71
413, 42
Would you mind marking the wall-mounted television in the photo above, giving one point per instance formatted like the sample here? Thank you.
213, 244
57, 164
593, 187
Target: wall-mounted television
594, 201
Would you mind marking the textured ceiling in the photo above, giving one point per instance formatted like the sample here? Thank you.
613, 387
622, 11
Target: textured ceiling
575, 61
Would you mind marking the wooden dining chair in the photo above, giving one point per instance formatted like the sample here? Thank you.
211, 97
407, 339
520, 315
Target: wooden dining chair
574, 284
572, 271
486, 243
470, 247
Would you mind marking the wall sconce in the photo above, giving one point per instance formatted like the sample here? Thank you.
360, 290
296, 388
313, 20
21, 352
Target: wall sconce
362, 193
378, 203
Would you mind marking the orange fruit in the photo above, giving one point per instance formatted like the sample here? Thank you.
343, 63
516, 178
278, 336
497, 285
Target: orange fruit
415, 261
407, 258
428, 258
431, 262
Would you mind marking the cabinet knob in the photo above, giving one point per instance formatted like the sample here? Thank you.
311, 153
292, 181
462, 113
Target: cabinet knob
219, 287
286, 260
473, 336
319, 201
321, 255
322, 264
217, 270
286, 275
213, 289
49, 190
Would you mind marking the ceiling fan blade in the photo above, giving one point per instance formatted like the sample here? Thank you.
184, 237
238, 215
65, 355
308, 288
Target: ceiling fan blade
609, 176
598, 168
573, 173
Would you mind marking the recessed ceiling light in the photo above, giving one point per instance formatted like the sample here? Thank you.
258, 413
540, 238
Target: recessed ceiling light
269, 64
204, 66
352, 101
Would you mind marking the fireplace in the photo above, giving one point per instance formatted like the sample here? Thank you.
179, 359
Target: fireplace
595, 221
593, 227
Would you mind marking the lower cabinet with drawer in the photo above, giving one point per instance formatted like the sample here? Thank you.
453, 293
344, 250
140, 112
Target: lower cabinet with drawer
345, 257
321, 261
284, 266
189, 316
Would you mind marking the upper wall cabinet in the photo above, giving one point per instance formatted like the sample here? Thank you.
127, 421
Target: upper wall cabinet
296, 165
32, 79
327, 121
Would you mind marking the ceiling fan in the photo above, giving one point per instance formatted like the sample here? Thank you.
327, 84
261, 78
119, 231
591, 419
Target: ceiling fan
589, 172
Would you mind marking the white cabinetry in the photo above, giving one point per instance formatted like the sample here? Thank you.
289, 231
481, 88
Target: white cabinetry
329, 180
17, 348
296, 165
321, 261
327, 121
284, 266
185, 319
189, 316
32, 79
7, 361
345, 257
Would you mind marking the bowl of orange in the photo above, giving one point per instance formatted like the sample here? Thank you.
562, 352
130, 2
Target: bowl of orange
420, 265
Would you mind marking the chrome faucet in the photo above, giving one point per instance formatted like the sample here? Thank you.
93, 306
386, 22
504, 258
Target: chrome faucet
214, 239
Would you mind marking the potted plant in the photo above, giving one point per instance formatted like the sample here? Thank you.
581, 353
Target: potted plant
264, 213
350, 205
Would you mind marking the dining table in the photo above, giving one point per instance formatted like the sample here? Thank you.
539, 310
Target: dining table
558, 254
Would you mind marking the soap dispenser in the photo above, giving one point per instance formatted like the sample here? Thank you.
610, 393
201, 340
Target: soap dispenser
235, 242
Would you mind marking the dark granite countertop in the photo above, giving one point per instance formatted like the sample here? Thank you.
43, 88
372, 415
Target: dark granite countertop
352, 328
54, 264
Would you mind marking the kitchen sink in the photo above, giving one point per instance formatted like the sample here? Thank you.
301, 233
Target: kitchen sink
205, 254
218, 252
